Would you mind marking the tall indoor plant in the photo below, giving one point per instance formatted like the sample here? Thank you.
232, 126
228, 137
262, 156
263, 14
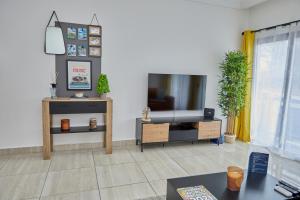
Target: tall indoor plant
102, 86
232, 91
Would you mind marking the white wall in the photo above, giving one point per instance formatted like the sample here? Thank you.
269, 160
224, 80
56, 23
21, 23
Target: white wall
139, 36
274, 12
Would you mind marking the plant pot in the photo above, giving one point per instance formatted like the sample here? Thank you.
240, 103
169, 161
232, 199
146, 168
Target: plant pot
229, 138
103, 96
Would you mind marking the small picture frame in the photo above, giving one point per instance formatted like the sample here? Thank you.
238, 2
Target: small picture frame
95, 51
94, 41
82, 34
71, 33
82, 50
71, 49
79, 75
95, 30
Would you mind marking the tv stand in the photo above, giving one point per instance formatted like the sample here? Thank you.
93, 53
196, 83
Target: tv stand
170, 129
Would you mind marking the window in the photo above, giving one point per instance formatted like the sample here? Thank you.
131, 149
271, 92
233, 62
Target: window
275, 111
292, 130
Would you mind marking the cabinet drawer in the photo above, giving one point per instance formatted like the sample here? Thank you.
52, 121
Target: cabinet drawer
207, 130
183, 135
77, 107
155, 133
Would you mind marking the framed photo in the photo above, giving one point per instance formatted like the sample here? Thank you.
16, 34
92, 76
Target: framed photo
71, 33
79, 75
95, 51
94, 41
71, 49
95, 30
82, 50
82, 33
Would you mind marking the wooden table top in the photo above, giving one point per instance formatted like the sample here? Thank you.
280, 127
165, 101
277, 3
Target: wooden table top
68, 99
254, 186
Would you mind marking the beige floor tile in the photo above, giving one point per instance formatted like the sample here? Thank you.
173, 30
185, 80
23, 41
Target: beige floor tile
3, 160
219, 157
160, 187
205, 147
197, 165
179, 151
283, 168
239, 159
122, 174
159, 170
75, 180
232, 147
21, 186
118, 157
86, 195
149, 154
193, 164
25, 164
256, 148
128, 192
30, 199
71, 160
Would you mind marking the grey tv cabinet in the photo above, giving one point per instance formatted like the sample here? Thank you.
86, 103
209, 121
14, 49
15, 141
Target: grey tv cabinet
170, 129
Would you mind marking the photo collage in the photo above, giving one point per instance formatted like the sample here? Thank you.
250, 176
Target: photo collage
88, 41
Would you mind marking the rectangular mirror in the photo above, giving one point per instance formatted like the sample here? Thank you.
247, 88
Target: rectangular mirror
54, 41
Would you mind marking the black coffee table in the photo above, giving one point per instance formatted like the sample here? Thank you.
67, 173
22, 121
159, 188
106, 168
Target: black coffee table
253, 187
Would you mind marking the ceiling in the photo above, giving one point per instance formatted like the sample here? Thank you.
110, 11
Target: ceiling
237, 4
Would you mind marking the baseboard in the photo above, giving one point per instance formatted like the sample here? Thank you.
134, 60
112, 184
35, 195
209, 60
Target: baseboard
65, 147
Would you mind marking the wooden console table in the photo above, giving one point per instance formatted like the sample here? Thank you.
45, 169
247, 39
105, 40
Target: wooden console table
75, 106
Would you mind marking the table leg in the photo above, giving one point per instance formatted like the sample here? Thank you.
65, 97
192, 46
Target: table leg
46, 131
108, 136
51, 136
104, 139
51, 142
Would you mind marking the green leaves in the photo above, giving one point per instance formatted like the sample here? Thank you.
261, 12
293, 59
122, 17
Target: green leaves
102, 86
233, 83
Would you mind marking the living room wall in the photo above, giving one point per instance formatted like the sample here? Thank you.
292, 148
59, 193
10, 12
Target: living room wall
139, 36
274, 12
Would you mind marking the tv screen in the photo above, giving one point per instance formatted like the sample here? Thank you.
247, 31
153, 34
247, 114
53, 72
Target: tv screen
176, 92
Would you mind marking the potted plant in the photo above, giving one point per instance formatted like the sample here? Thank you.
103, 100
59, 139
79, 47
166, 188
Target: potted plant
232, 91
102, 86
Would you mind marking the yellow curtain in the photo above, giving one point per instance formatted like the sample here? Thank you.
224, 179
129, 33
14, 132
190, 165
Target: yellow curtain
242, 123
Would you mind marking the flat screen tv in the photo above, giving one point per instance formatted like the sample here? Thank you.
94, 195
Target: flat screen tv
176, 92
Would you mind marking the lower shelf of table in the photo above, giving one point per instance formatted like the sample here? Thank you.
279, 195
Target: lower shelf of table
77, 129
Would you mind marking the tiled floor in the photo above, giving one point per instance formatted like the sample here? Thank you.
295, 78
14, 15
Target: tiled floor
127, 174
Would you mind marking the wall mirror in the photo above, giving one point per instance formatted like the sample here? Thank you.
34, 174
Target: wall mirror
54, 40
